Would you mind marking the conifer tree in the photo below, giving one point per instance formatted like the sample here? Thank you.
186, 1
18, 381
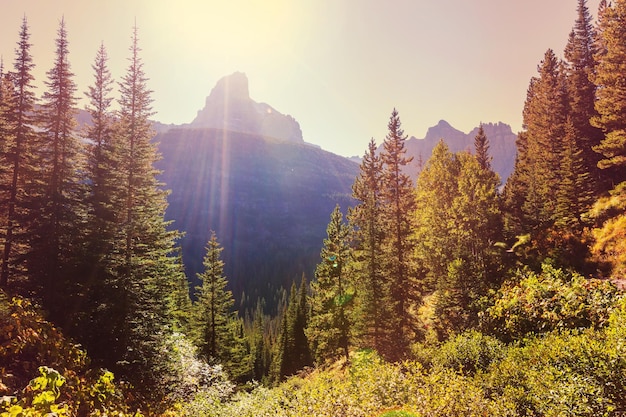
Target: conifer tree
580, 70
237, 354
611, 89
329, 329
459, 221
6, 139
56, 226
481, 147
372, 304
213, 308
398, 196
573, 195
146, 266
260, 344
292, 349
101, 313
437, 188
531, 192
20, 143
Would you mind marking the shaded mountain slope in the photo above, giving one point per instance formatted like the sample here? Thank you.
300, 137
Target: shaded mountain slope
268, 200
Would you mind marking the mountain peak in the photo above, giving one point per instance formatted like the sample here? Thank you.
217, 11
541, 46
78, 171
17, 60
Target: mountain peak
229, 107
443, 129
231, 87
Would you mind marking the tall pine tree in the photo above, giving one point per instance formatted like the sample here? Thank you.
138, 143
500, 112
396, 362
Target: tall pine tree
580, 70
22, 167
372, 305
292, 349
398, 196
329, 329
531, 191
146, 266
56, 227
213, 308
459, 221
611, 90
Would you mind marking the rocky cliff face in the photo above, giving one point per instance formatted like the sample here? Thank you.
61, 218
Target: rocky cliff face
229, 107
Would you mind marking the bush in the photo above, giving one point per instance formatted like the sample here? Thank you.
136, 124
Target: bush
468, 353
552, 300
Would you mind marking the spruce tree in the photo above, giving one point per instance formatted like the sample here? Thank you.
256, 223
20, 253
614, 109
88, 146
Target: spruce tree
437, 189
459, 221
611, 89
573, 196
260, 344
398, 196
293, 352
56, 227
146, 265
19, 146
531, 194
213, 308
481, 147
580, 70
6, 140
372, 304
101, 298
329, 329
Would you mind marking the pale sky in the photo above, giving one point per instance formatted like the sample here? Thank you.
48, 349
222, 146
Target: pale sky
338, 67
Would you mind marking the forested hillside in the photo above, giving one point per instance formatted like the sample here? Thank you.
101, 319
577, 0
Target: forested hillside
441, 295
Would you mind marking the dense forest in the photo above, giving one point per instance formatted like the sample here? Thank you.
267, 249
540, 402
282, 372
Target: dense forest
448, 294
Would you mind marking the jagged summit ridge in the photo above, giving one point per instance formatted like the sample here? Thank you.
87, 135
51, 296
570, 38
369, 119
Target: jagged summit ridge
501, 145
229, 107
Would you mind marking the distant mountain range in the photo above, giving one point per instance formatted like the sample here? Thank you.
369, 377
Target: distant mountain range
242, 169
501, 145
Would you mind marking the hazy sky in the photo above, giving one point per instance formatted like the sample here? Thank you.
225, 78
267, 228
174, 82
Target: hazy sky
339, 67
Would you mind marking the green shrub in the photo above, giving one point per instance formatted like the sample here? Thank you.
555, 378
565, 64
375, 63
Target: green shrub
552, 300
469, 352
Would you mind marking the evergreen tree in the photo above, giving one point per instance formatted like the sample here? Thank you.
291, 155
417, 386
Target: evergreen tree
6, 139
57, 224
213, 308
611, 89
292, 349
237, 354
301, 352
260, 344
459, 221
580, 71
398, 196
146, 266
19, 146
329, 329
531, 196
437, 188
573, 195
372, 303
101, 314
481, 147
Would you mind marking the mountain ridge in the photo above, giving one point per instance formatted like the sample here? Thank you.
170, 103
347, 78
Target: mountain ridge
502, 145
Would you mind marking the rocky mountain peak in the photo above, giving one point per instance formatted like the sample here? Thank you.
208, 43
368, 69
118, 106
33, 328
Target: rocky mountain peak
229, 107
232, 87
